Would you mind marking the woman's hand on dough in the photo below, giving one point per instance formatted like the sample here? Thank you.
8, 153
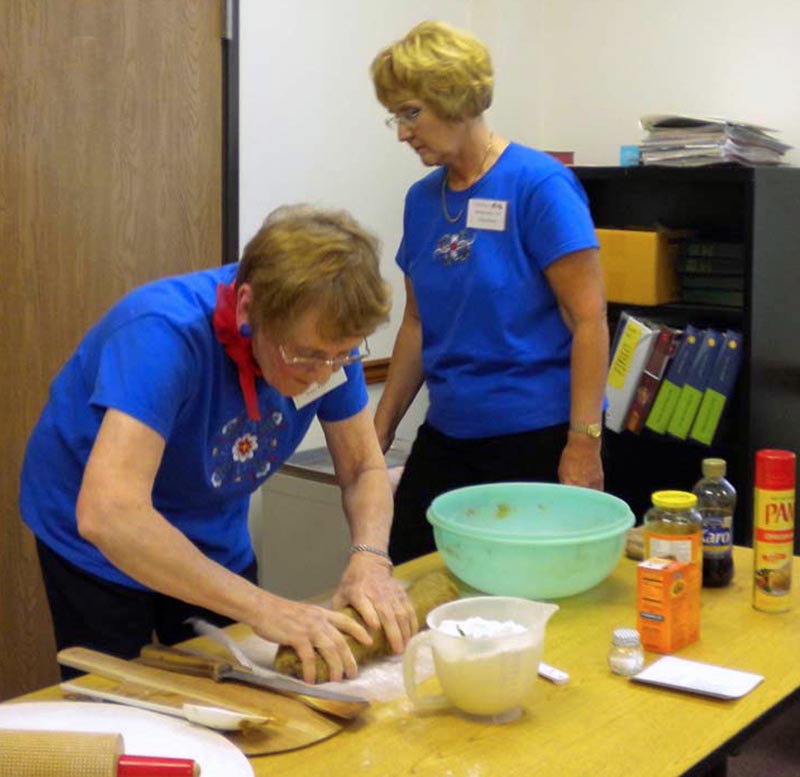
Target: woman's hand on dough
368, 586
311, 629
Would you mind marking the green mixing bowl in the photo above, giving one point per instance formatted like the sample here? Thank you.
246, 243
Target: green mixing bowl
535, 540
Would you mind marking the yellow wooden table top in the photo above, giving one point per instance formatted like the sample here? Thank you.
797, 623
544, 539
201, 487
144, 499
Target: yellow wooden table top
599, 723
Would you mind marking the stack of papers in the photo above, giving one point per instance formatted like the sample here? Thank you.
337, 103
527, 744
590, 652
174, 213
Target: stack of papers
688, 141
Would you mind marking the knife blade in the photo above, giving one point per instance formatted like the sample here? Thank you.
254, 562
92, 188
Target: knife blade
177, 660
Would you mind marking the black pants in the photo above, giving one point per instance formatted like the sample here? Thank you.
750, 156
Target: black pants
438, 463
95, 613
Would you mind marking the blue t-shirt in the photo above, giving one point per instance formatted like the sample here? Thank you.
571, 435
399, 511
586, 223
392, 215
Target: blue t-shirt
154, 356
495, 349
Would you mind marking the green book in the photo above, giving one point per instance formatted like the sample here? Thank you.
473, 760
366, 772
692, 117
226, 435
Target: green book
692, 390
674, 378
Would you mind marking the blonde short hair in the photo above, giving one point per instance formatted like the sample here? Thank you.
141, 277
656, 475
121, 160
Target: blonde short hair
306, 258
449, 70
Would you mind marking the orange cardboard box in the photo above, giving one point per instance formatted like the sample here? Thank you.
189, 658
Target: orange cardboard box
667, 604
639, 266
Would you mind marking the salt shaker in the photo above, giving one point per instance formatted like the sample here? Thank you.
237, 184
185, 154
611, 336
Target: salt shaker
626, 655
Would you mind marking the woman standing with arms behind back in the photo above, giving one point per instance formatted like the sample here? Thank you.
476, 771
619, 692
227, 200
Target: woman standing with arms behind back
505, 317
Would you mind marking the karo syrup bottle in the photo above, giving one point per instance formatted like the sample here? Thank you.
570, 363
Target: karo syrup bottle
716, 503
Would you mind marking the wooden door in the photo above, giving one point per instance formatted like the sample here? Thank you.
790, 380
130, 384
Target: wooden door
111, 162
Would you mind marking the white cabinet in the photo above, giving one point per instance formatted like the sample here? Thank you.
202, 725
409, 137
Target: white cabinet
300, 534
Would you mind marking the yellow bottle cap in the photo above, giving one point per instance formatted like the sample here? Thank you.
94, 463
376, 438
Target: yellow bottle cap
674, 500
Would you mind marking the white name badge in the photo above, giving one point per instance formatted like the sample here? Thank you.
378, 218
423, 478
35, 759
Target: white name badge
487, 214
318, 389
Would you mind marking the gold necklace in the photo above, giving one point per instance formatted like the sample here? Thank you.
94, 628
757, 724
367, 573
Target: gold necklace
452, 219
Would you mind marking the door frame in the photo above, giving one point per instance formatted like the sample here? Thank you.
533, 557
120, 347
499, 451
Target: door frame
230, 132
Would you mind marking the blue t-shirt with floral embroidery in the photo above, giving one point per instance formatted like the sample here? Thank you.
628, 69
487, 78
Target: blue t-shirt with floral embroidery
495, 349
154, 356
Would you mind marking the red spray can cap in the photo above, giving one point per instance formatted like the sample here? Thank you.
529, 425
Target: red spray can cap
775, 469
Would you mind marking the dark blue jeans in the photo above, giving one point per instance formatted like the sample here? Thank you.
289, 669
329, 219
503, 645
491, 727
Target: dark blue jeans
91, 612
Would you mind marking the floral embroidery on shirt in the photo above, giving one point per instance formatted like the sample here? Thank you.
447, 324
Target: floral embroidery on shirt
246, 450
454, 248
245, 447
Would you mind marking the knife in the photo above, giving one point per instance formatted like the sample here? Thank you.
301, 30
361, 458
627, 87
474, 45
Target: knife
218, 669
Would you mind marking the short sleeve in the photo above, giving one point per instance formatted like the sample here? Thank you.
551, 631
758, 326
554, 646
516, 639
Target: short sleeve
347, 399
556, 220
146, 369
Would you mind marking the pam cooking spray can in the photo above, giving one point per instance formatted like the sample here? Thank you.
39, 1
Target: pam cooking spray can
773, 530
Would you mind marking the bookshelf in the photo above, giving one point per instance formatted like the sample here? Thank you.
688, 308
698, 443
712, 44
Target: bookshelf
759, 207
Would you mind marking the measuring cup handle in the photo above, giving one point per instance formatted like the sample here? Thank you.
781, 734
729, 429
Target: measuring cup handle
428, 702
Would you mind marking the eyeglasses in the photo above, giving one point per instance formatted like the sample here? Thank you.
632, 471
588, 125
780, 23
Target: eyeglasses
408, 117
316, 362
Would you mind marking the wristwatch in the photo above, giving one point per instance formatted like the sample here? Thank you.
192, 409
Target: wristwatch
593, 430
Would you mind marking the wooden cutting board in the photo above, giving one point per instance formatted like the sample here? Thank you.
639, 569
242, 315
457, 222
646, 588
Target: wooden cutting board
293, 724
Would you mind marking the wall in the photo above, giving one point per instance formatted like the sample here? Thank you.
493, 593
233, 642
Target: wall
604, 64
311, 128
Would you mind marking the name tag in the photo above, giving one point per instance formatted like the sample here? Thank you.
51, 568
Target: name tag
318, 389
487, 214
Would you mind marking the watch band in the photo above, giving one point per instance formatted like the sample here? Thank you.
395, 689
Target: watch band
593, 430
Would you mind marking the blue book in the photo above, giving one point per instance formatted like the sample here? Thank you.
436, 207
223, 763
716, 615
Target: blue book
677, 371
720, 387
696, 381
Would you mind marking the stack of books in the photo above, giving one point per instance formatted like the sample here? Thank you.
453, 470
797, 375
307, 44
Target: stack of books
689, 141
670, 381
711, 273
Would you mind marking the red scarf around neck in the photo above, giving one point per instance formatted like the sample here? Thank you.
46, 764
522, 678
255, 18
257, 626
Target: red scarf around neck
237, 346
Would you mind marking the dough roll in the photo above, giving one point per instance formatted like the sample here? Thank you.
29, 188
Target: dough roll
425, 593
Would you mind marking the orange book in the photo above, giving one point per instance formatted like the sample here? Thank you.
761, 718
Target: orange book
667, 604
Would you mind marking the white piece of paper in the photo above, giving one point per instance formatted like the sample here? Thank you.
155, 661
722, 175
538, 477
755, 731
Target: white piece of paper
698, 677
487, 214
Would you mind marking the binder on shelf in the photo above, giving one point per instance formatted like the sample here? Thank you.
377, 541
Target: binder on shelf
674, 378
650, 379
633, 341
696, 381
720, 387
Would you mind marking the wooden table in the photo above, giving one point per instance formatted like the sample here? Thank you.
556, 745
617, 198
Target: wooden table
598, 724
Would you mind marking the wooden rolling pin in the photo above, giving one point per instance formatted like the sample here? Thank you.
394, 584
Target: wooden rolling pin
426, 593
78, 754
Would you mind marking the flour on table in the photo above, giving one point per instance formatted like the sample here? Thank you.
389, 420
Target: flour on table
381, 680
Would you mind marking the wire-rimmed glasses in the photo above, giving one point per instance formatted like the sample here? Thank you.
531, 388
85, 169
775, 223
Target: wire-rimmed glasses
317, 362
408, 117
